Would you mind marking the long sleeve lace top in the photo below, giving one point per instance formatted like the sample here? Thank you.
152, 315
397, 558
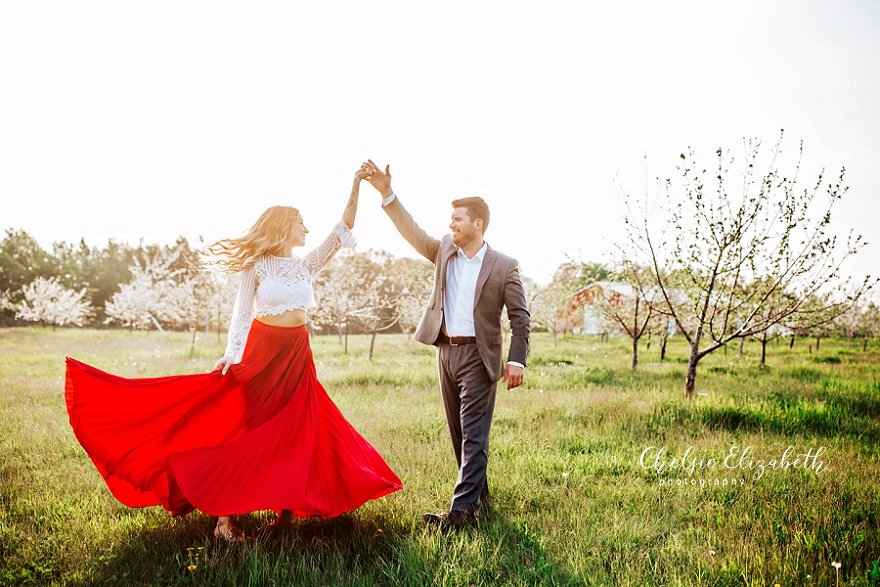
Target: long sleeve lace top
274, 285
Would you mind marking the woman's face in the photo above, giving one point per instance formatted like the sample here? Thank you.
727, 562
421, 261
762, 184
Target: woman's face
298, 232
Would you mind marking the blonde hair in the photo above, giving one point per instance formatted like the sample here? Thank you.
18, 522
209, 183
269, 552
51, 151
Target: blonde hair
270, 235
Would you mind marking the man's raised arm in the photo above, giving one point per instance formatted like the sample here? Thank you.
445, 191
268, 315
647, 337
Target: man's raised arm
422, 242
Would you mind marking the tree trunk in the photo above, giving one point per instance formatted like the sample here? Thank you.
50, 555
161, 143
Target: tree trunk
554, 338
346, 340
742, 341
192, 343
690, 377
663, 339
791, 342
372, 343
158, 326
817, 343
865, 344
636, 335
764, 349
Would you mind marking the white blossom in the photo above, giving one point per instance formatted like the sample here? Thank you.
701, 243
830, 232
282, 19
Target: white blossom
48, 302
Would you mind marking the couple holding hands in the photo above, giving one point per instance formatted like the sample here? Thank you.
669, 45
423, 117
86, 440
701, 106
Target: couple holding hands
259, 432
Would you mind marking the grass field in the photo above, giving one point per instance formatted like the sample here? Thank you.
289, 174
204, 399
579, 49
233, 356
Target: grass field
581, 497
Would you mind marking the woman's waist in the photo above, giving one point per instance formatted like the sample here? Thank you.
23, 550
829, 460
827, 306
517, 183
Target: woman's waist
265, 308
290, 318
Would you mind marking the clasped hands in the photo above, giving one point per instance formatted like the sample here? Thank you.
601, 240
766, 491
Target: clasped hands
381, 180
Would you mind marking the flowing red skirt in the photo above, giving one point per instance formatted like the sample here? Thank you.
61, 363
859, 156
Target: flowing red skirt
265, 436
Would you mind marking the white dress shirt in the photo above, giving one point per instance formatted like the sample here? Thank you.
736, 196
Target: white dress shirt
458, 295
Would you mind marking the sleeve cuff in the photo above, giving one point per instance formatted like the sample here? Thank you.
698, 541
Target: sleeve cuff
389, 199
516, 364
346, 237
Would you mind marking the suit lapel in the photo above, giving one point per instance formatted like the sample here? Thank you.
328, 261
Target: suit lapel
447, 249
485, 270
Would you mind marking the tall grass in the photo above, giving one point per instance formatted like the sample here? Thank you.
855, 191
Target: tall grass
574, 503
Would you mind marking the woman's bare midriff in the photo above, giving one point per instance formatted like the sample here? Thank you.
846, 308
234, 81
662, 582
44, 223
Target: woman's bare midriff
289, 319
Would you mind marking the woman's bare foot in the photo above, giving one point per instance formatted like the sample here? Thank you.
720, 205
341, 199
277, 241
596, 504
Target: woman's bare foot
226, 530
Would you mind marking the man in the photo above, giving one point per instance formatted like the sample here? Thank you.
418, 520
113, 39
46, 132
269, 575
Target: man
472, 283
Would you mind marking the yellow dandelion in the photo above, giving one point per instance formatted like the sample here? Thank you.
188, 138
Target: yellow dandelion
192, 567
201, 548
190, 549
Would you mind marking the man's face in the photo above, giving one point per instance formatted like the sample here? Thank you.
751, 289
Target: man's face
464, 230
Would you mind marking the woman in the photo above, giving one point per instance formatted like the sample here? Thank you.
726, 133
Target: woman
259, 431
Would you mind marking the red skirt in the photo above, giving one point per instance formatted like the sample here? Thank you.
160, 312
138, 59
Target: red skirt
265, 436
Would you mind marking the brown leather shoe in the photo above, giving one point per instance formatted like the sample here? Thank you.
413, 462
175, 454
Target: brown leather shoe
451, 519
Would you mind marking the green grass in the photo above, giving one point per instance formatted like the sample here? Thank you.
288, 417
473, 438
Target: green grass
573, 503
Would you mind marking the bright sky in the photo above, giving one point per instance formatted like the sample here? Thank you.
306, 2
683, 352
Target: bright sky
123, 120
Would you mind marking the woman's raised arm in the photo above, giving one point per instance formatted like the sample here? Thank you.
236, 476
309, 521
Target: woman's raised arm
351, 208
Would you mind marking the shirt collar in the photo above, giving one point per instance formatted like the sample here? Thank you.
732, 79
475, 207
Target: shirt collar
480, 254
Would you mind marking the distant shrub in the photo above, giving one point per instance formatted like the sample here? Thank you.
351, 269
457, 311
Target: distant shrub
832, 360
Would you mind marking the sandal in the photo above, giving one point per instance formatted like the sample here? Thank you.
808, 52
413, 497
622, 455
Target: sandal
228, 531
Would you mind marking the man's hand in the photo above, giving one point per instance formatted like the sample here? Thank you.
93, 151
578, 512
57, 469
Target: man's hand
513, 375
381, 180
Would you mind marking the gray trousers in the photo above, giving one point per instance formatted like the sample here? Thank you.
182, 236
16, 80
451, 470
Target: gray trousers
469, 399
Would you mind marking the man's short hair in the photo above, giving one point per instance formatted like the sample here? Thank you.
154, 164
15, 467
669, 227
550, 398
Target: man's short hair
476, 208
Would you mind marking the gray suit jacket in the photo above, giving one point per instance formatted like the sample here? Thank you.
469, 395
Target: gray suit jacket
498, 285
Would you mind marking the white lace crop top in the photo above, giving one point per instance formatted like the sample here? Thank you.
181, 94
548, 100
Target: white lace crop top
274, 285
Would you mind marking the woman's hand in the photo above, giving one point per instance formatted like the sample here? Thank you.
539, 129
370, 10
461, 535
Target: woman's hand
224, 364
362, 173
